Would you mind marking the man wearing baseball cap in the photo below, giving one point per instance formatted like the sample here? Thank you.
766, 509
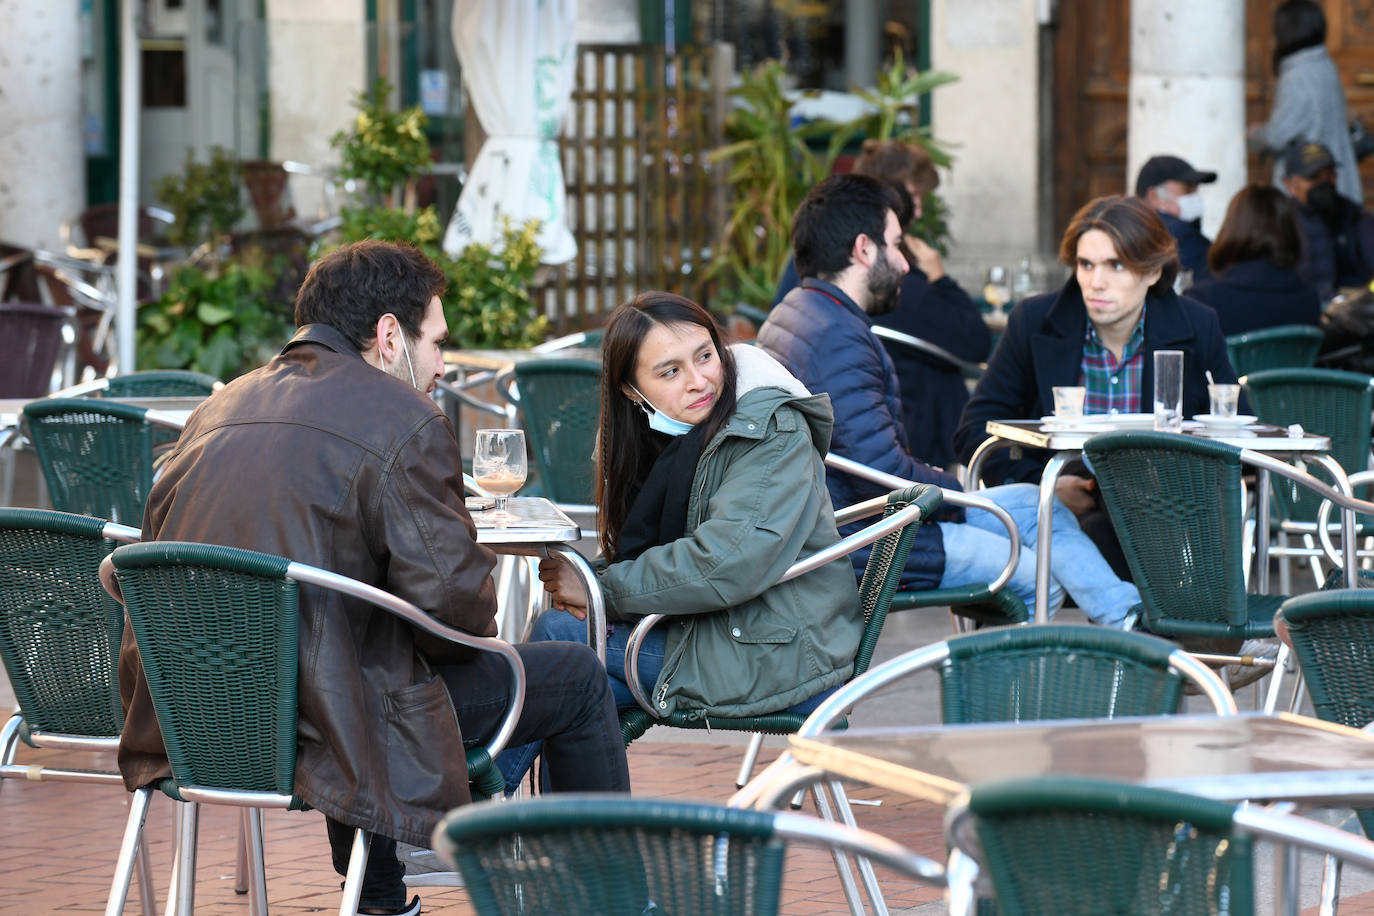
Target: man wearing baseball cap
1169, 186
1337, 233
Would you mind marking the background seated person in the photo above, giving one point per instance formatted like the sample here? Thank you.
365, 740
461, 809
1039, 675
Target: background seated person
930, 305
1254, 282
710, 484
846, 240
1337, 233
1169, 185
1100, 330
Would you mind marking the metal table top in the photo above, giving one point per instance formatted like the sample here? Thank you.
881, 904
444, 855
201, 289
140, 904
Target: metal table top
1250, 756
1259, 437
539, 522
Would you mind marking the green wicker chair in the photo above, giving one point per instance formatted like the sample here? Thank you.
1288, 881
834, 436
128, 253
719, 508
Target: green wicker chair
162, 383
981, 604
1178, 508
611, 855
561, 403
1078, 846
1330, 403
59, 640
217, 635
1288, 346
914, 504
1332, 633
96, 456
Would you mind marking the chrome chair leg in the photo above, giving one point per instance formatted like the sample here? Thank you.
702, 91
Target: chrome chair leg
241, 855
146, 893
866, 873
851, 889
181, 895
751, 756
1271, 701
353, 881
128, 850
1331, 887
257, 869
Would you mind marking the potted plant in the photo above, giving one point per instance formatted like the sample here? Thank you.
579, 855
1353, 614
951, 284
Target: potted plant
385, 148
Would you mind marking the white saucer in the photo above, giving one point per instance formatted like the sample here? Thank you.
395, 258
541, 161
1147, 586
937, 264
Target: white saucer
1239, 420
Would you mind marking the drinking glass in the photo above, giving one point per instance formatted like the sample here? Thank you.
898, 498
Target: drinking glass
1169, 390
997, 289
1068, 401
499, 466
1224, 400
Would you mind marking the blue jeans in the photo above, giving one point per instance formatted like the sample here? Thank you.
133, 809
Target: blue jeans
976, 551
559, 625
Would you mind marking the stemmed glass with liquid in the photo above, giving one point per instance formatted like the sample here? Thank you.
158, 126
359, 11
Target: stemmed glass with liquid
499, 466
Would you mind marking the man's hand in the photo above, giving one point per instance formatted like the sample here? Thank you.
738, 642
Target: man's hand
1076, 493
927, 258
564, 586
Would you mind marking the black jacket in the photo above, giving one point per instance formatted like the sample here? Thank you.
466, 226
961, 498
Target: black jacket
1043, 347
1192, 245
1332, 260
1255, 294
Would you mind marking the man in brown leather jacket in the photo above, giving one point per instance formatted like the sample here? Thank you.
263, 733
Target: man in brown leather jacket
333, 455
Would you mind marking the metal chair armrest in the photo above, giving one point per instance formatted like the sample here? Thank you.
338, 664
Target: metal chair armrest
1328, 492
953, 497
632, 645
859, 842
1359, 478
838, 704
457, 392
504, 383
972, 370
408, 612
1206, 680
567, 341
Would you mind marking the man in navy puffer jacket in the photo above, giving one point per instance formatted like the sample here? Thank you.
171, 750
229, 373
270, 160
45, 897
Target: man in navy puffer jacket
846, 243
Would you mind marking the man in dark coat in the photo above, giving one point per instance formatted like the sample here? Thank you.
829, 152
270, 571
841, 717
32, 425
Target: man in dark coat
846, 241
1337, 233
333, 455
1169, 185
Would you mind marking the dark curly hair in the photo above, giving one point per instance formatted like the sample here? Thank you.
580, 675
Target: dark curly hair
353, 286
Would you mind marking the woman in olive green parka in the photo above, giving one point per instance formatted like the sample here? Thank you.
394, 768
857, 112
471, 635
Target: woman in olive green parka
711, 483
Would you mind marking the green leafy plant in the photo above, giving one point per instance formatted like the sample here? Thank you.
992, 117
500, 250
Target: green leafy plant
204, 199
385, 148
218, 320
895, 100
772, 166
488, 304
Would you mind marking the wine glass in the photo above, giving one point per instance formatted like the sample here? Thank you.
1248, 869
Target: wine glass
997, 289
499, 466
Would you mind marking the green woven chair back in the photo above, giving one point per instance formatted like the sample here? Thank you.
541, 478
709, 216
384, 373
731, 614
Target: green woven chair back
96, 457
886, 561
1175, 502
561, 402
59, 630
1288, 346
161, 383
217, 635
1332, 633
1076, 846
613, 855
1057, 671
1327, 402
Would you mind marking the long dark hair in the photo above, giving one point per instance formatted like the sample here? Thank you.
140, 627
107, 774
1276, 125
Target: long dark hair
626, 449
1298, 24
1139, 236
1261, 225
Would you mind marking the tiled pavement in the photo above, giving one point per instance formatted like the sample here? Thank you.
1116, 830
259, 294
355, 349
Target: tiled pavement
60, 841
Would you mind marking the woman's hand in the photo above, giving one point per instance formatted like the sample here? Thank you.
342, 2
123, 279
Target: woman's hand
564, 586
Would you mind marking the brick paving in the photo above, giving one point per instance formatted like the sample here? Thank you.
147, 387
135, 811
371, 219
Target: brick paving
60, 841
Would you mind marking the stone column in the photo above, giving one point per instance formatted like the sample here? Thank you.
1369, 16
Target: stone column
1187, 93
42, 172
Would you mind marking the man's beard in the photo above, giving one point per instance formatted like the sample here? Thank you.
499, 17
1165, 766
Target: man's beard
884, 284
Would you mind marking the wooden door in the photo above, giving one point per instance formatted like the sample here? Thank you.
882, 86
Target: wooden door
1092, 69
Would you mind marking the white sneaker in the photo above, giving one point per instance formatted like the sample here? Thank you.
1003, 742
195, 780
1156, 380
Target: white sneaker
1238, 676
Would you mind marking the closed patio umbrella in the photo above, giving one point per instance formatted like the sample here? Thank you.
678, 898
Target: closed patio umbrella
518, 59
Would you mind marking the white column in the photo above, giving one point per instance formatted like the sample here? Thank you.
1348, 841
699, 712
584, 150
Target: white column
1187, 93
42, 172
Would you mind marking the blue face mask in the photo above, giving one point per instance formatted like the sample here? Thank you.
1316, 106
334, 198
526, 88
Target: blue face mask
660, 421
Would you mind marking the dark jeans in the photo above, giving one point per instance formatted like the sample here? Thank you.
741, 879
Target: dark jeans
568, 706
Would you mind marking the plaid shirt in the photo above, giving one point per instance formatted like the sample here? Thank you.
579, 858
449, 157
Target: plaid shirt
1113, 386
